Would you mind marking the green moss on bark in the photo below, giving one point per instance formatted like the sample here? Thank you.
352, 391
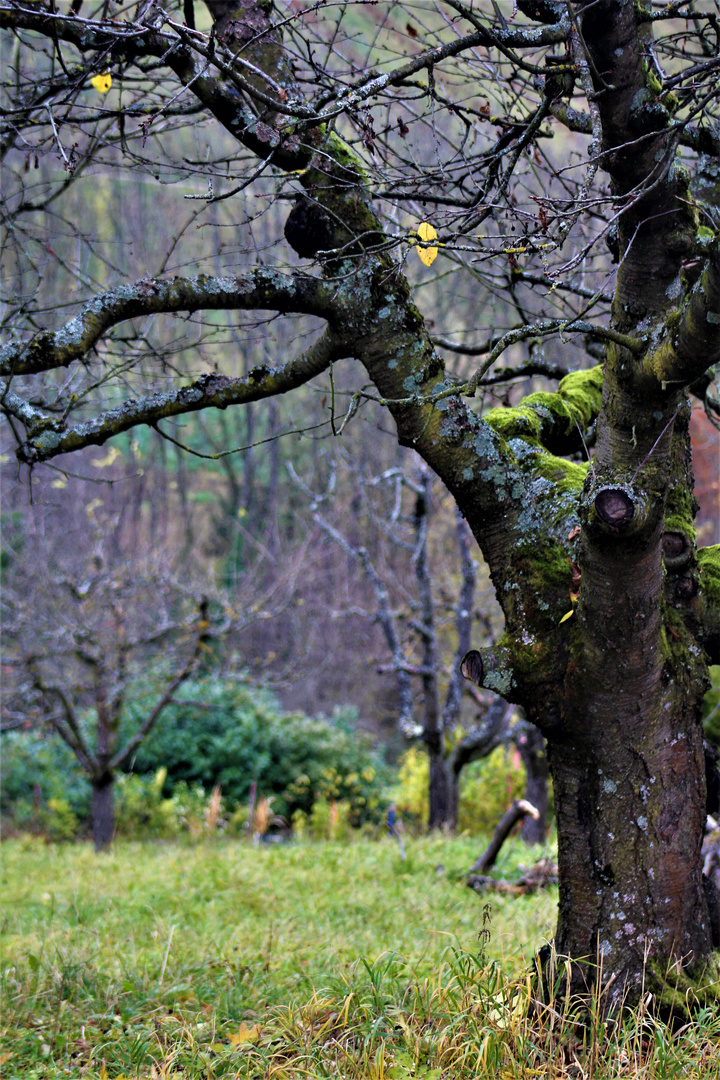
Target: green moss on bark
552, 419
709, 563
679, 992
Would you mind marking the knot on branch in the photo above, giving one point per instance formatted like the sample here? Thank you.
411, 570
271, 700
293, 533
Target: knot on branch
676, 549
472, 667
308, 229
615, 507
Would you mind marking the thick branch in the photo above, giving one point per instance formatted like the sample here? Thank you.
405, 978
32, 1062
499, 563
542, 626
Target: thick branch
49, 438
692, 345
262, 290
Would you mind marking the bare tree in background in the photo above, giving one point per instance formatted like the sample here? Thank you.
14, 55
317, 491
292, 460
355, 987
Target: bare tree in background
74, 637
416, 624
561, 162
91, 626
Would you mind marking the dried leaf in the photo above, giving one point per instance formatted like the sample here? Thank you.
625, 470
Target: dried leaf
427, 232
102, 83
245, 1034
576, 573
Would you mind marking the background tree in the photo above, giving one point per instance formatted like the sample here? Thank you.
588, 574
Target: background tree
97, 643
372, 125
425, 610
74, 638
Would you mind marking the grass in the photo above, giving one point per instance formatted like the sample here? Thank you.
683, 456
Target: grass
170, 961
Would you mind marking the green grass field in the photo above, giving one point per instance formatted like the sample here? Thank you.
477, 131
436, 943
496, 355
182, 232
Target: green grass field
315, 960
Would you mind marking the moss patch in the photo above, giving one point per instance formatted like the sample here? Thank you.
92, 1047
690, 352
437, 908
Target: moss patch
709, 562
678, 994
552, 419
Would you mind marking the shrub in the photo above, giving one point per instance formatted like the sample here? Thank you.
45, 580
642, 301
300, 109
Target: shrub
487, 788
222, 732
229, 733
38, 768
57, 820
143, 812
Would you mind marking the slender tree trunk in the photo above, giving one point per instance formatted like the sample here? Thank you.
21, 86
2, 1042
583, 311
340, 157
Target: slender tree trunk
103, 811
531, 747
439, 816
433, 733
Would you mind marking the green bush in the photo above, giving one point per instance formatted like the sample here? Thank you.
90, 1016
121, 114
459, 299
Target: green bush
222, 731
487, 788
57, 820
38, 768
228, 733
143, 812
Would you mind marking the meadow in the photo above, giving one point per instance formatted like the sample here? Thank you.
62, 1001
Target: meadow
298, 961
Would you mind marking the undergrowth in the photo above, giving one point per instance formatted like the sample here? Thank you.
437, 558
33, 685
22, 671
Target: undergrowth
311, 961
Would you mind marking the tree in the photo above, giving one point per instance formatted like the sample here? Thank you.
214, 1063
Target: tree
543, 140
413, 633
77, 643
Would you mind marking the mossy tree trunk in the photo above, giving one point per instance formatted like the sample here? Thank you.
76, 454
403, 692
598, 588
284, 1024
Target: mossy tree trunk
611, 615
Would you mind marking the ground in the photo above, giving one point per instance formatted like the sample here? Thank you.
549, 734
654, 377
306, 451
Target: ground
165, 960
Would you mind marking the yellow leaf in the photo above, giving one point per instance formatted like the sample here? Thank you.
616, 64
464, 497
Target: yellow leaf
427, 232
102, 83
112, 455
566, 617
245, 1034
